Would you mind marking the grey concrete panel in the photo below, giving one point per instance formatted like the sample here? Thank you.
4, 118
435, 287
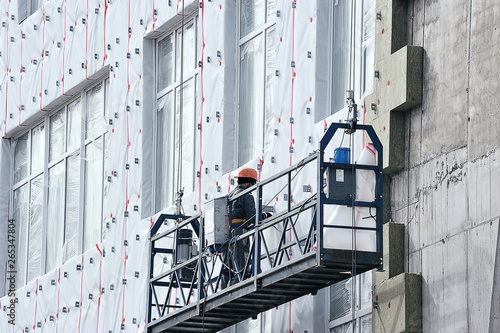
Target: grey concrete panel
414, 136
456, 213
416, 22
413, 230
433, 313
484, 100
393, 252
413, 186
405, 191
414, 263
479, 190
494, 324
399, 191
433, 201
455, 284
480, 263
445, 77
494, 188
398, 304
399, 214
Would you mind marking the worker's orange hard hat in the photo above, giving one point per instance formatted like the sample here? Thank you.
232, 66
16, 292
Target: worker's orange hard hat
247, 173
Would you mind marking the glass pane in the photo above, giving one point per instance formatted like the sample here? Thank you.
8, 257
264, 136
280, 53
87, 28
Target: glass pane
56, 141
72, 206
341, 52
95, 112
35, 4
270, 123
21, 205
165, 62
74, 138
366, 289
22, 10
251, 100
271, 9
37, 148
106, 185
252, 15
165, 152
188, 53
341, 299
55, 217
368, 45
366, 324
106, 101
92, 214
35, 232
344, 328
21, 156
188, 132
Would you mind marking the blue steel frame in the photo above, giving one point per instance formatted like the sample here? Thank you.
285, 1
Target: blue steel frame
275, 257
322, 199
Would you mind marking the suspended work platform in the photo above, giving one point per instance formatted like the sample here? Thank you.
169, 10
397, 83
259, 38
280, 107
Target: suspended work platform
291, 254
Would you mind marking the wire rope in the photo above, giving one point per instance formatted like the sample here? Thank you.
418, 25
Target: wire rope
353, 170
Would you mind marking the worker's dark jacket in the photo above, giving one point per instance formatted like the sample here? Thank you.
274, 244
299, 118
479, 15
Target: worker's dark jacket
242, 212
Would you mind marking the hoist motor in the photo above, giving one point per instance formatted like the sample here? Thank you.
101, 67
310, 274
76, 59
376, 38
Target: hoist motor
185, 249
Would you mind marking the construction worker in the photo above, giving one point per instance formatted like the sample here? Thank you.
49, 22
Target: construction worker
241, 220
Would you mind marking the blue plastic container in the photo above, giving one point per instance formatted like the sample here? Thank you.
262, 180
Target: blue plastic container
342, 155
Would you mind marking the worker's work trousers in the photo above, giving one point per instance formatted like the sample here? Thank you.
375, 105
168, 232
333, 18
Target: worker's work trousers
235, 258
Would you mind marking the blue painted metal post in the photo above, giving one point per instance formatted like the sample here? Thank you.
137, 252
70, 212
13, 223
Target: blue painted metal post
150, 286
201, 275
256, 258
380, 206
319, 210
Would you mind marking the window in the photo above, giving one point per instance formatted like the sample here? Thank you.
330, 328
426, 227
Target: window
28, 7
351, 305
352, 62
58, 184
257, 49
176, 114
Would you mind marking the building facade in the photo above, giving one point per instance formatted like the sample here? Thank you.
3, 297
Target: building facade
112, 107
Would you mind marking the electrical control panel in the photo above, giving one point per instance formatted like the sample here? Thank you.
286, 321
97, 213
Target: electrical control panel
216, 221
341, 184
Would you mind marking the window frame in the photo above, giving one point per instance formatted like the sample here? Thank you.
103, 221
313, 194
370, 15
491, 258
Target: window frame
361, 309
358, 56
261, 30
48, 165
30, 9
178, 83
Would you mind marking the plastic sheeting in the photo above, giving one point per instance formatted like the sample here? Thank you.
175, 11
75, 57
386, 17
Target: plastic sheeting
21, 205
55, 217
63, 48
35, 228
251, 99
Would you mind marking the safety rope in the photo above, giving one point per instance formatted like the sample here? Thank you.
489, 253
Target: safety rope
180, 190
352, 114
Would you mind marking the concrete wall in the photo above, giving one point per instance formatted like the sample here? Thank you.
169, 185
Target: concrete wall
447, 194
